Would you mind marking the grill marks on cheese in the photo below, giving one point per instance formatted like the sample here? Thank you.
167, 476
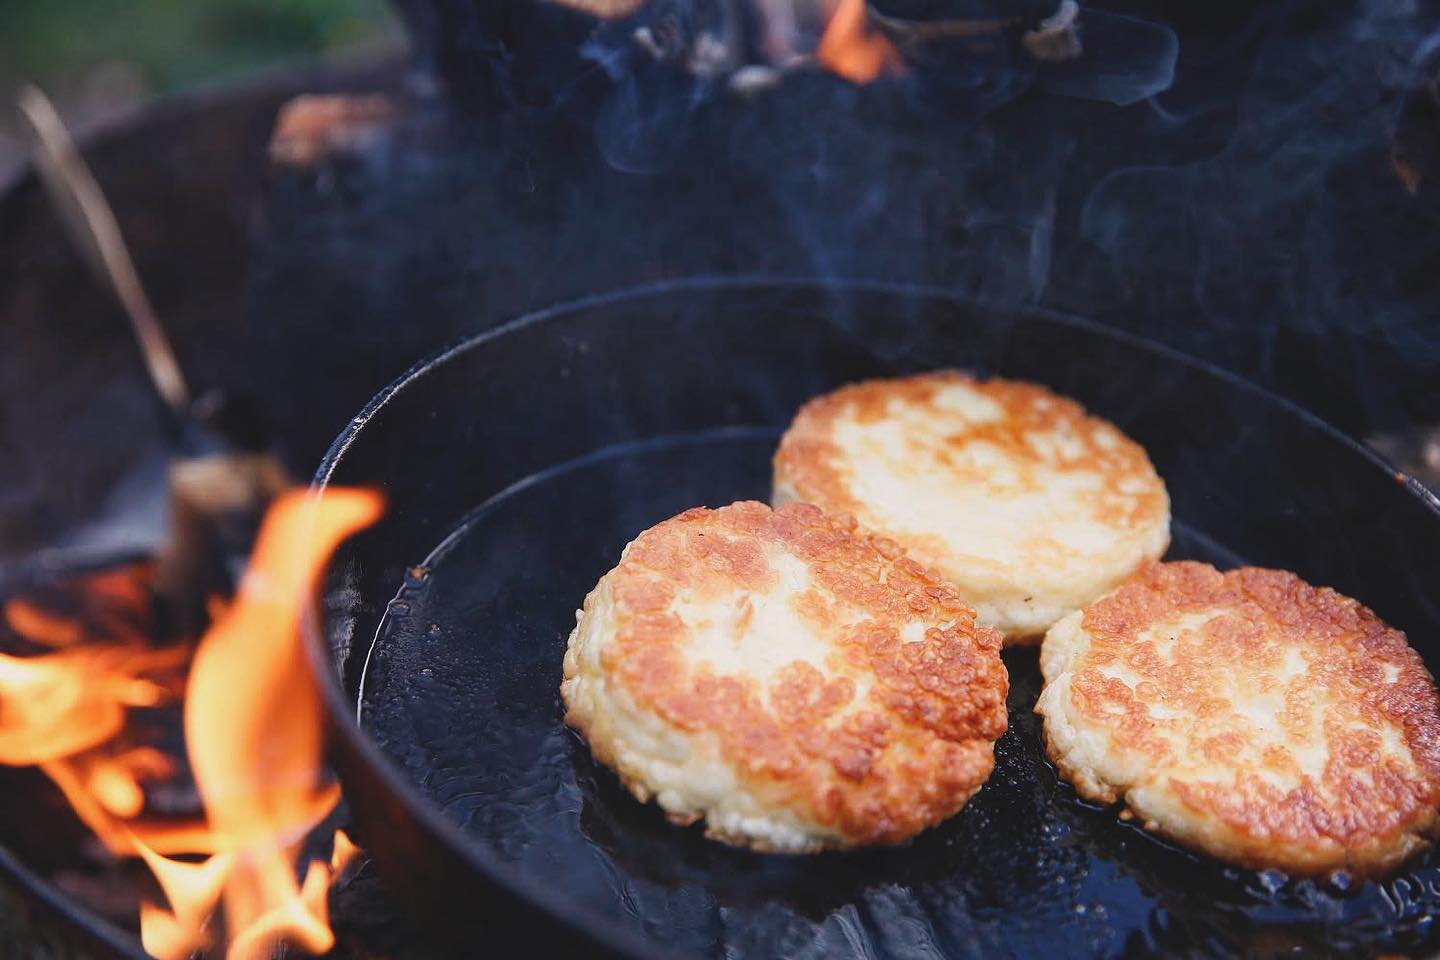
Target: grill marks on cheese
837, 680
1265, 720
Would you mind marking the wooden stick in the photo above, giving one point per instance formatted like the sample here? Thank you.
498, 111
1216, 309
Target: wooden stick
217, 493
91, 224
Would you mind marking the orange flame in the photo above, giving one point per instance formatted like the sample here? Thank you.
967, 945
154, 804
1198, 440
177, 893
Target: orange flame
852, 48
38, 626
61, 710
254, 728
62, 703
254, 732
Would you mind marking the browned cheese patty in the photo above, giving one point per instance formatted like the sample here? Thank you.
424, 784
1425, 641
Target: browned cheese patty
1027, 504
794, 681
1249, 715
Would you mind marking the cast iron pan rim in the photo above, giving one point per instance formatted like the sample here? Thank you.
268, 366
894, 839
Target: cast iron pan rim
704, 282
591, 923
96, 930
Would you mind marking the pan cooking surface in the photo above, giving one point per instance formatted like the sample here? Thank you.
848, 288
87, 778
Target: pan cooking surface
461, 689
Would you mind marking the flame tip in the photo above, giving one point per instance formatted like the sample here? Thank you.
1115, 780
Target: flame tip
852, 48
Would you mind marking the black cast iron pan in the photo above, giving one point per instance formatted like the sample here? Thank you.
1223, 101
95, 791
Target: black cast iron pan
518, 464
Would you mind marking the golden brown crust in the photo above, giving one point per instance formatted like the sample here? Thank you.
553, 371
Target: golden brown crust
1027, 504
1339, 767
876, 768
813, 463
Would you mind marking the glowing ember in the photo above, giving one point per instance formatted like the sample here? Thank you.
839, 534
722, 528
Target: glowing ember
852, 48
254, 730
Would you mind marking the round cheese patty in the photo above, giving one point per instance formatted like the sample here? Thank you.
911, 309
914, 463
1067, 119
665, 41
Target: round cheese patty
1250, 715
797, 683
1030, 507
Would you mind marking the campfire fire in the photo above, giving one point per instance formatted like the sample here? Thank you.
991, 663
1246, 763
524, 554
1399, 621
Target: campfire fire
849, 45
253, 727
852, 48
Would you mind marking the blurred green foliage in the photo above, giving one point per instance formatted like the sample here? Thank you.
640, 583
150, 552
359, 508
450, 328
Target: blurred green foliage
174, 43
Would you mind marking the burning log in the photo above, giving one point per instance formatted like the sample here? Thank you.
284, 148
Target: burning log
1055, 45
215, 504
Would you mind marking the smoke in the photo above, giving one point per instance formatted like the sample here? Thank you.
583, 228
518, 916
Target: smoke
1248, 213
939, 176
1290, 234
898, 180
